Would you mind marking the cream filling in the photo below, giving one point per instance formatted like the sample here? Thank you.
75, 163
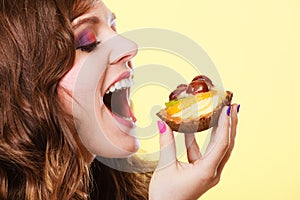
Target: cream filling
200, 108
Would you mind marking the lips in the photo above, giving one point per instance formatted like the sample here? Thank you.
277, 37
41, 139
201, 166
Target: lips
116, 99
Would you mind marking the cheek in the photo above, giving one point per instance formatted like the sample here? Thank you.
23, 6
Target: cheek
65, 90
66, 86
68, 81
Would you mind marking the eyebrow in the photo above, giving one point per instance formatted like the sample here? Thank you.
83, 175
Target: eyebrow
90, 20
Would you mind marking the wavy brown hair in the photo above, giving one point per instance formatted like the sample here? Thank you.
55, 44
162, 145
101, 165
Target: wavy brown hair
41, 155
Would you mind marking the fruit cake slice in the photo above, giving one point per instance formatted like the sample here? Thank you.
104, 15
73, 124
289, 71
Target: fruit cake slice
195, 107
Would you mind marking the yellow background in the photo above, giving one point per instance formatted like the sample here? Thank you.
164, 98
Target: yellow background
256, 48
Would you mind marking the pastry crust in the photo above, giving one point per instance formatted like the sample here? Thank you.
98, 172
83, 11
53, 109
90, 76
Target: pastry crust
198, 124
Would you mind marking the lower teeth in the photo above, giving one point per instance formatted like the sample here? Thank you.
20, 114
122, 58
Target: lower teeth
127, 118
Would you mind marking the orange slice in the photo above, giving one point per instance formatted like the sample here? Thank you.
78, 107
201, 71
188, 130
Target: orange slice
181, 104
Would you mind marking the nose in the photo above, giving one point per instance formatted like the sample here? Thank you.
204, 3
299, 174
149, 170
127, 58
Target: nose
122, 50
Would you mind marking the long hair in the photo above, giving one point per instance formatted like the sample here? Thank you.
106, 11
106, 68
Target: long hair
41, 155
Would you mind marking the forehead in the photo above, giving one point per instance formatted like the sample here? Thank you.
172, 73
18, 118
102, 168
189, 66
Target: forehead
99, 10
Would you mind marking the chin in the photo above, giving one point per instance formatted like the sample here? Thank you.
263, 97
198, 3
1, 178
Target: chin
110, 147
117, 149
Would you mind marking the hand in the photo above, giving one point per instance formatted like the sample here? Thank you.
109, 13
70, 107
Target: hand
186, 181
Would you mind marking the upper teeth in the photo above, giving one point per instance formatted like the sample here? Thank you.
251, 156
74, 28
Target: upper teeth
124, 83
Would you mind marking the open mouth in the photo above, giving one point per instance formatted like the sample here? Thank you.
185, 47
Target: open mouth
116, 99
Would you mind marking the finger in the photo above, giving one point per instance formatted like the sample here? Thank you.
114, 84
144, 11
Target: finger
167, 146
212, 141
220, 140
234, 121
214, 137
193, 152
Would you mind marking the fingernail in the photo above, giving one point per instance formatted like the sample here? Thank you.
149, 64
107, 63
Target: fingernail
161, 126
228, 110
238, 108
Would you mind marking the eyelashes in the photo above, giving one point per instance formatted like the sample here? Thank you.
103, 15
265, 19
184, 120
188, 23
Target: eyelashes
87, 41
89, 47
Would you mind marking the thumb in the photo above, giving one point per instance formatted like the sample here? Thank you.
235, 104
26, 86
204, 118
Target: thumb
167, 146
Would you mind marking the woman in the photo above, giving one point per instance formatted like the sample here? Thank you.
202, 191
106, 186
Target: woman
57, 59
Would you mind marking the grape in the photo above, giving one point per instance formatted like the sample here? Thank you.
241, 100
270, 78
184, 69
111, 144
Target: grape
203, 78
180, 88
174, 95
197, 86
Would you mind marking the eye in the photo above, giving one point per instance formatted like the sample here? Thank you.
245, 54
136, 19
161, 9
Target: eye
89, 47
86, 41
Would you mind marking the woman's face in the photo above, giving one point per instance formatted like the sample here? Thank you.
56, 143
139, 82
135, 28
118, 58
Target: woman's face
96, 89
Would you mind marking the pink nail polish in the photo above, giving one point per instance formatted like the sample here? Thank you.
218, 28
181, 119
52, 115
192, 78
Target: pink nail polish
161, 126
